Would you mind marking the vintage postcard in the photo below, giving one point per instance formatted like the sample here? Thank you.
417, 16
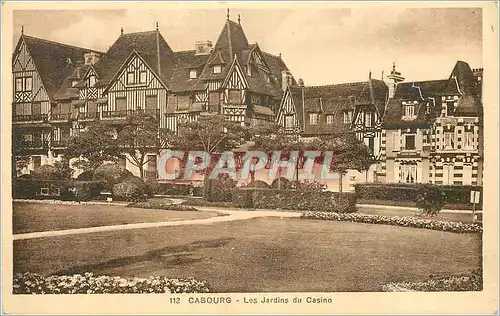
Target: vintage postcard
250, 158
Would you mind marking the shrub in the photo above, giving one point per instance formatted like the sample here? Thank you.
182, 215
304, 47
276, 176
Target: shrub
284, 184
31, 283
153, 186
140, 183
85, 176
85, 190
220, 190
45, 172
430, 198
302, 200
127, 191
258, 184
467, 282
24, 188
110, 175
405, 221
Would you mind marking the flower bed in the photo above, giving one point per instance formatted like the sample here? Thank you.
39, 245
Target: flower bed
405, 221
31, 283
166, 205
473, 282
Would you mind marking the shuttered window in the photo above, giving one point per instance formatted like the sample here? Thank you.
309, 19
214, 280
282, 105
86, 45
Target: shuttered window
234, 97
121, 104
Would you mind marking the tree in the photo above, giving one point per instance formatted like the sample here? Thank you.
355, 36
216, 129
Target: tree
140, 136
272, 138
348, 153
92, 147
211, 133
19, 158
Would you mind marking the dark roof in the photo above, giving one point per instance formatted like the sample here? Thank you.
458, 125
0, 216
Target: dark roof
334, 99
231, 41
51, 60
277, 65
67, 90
185, 61
461, 82
146, 44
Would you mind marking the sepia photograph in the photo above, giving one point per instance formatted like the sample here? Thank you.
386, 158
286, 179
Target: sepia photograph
255, 156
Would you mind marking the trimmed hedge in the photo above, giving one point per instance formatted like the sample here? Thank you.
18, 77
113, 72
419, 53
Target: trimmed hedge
67, 190
174, 189
397, 192
301, 200
220, 190
31, 283
470, 282
404, 221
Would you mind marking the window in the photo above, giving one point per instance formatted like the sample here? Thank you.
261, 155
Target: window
408, 173
268, 78
121, 104
92, 81
217, 69
313, 118
409, 142
448, 140
289, 121
234, 97
19, 84
249, 70
347, 117
368, 119
193, 74
450, 108
37, 161
352, 99
329, 119
130, 78
213, 101
142, 77
28, 83
469, 140
409, 111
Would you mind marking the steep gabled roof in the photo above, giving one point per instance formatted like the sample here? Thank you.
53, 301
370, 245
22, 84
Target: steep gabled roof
150, 45
232, 41
52, 60
429, 88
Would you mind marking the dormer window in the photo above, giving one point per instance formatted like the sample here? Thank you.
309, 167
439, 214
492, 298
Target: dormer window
217, 69
313, 118
92, 81
450, 108
347, 116
193, 74
409, 111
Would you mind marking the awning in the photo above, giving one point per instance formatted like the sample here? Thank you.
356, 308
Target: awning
263, 110
102, 101
78, 102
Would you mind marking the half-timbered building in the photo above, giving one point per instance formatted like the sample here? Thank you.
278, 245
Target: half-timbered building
41, 72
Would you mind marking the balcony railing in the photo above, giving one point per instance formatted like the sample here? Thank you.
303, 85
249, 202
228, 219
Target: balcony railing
58, 144
82, 116
34, 144
124, 114
60, 117
30, 118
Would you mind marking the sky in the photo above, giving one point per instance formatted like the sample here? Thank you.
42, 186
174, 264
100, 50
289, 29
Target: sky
321, 46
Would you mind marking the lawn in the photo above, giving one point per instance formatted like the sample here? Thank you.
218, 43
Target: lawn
36, 217
260, 255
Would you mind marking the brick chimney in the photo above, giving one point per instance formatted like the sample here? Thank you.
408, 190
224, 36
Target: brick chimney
91, 58
203, 47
